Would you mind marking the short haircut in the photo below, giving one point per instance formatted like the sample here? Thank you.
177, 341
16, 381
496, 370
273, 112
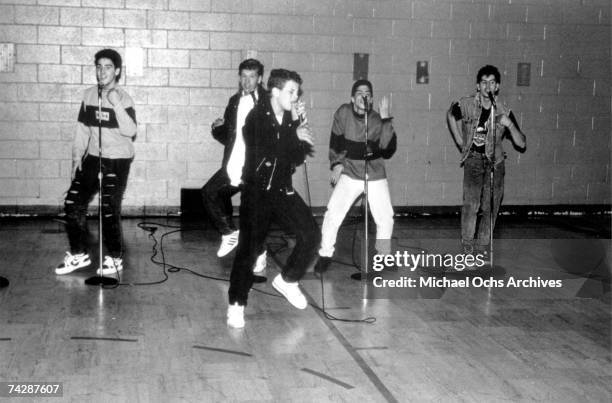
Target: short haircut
251, 64
488, 70
358, 84
114, 57
278, 78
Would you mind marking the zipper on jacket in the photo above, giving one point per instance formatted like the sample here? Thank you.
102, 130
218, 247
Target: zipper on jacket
259, 166
271, 175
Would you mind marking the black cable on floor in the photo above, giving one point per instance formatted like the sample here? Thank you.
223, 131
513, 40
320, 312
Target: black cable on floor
273, 253
273, 248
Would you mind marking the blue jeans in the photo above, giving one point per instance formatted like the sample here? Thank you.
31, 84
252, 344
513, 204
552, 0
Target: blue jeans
476, 197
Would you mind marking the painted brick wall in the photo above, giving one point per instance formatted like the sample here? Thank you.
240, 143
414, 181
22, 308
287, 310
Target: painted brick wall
192, 50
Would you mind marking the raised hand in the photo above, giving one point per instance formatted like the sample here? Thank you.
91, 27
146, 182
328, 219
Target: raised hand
218, 122
113, 96
383, 108
505, 120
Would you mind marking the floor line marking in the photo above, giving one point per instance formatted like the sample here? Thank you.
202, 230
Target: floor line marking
367, 370
222, 350
103, 338
328, 378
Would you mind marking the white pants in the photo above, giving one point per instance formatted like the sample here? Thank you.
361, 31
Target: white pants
343, 197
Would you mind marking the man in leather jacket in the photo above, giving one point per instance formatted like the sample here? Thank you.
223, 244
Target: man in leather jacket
278, 139
218, 191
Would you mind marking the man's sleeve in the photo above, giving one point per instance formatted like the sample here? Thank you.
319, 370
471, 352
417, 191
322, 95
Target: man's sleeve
126, 115
81, 136
388, 140
220, 133
337, 141
455, 111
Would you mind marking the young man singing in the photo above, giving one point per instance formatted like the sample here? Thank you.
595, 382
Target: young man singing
277, 139
118, 121
470, 123
348, 158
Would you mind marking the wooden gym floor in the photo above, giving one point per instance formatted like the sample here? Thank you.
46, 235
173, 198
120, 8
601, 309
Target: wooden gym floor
168, 342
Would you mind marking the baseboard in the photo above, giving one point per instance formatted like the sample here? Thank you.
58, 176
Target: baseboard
197, 211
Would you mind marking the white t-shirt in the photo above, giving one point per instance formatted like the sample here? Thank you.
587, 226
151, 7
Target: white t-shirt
236, 159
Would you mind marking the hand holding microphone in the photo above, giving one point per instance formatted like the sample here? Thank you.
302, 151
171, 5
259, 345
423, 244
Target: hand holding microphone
303, 131
298, 111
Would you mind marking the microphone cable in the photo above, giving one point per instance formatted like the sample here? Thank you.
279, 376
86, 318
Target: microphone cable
152, 227
327, 315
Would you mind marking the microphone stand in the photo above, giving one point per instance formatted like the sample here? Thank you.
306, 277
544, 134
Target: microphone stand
493, 127
100, 279
363, 275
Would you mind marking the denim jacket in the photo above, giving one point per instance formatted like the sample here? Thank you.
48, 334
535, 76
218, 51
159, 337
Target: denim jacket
470, 114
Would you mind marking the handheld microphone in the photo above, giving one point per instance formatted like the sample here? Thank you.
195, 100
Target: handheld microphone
492, 99
301, 116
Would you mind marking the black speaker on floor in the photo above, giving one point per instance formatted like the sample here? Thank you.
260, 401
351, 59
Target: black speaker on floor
193, 215
192, 205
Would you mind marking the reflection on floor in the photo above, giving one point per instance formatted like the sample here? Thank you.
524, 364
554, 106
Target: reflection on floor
478, 341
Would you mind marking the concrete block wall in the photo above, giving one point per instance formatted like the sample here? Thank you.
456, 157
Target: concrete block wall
191, 51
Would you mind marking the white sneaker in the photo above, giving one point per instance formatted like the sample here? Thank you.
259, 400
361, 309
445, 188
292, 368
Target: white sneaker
72, 263
261, 262
291, 291
111, 265
228, 243
235, 316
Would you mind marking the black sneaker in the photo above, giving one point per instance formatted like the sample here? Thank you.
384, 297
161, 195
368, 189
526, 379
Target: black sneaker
322, 264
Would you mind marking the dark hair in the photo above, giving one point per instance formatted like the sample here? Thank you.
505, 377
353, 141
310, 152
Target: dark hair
114, 57
488, 70
251, 64
359, 83
278, 78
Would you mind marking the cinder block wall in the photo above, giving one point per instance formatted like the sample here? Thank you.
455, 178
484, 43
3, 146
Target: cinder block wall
192, 50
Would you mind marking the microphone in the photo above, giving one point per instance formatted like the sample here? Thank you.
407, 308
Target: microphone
492, 99
366, 102
100, 86
301, 116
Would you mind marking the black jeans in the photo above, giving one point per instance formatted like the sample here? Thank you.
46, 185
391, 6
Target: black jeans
476, 196
217, 197
82, 189
258, 209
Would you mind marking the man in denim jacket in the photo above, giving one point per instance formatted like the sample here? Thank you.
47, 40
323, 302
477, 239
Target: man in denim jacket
469, 120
